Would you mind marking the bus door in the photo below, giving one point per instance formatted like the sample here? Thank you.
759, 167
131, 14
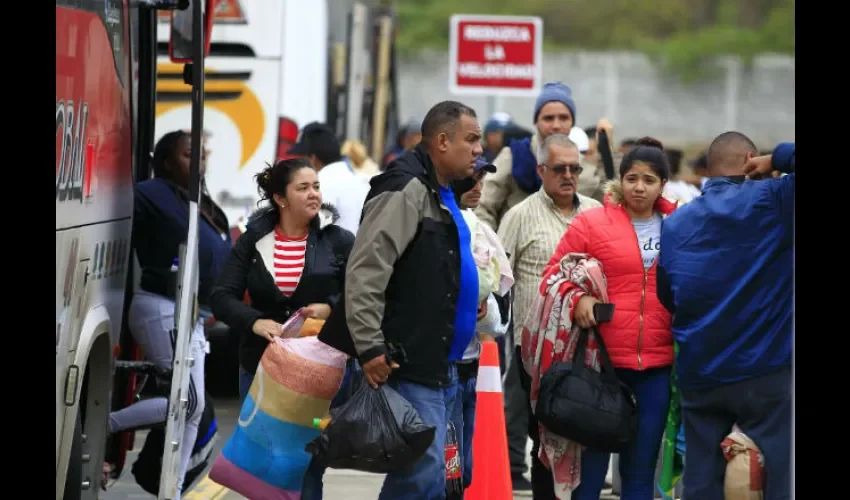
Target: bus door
189, 43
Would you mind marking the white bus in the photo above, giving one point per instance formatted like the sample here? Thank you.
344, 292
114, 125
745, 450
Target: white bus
266, 77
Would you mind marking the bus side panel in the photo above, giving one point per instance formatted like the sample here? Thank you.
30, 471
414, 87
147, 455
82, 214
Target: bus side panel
93, 129
93, 354
304, 65
92, 263
269, 63
239, 113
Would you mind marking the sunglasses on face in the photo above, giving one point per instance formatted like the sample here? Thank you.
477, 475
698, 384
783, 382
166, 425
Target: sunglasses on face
561, 169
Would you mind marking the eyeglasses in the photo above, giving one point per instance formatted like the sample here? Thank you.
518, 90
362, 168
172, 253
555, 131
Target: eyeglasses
561, 169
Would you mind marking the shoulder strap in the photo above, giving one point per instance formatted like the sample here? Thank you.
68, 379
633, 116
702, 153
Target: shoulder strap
604, 358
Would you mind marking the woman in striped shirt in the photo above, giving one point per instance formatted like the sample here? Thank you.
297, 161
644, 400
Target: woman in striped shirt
292, 256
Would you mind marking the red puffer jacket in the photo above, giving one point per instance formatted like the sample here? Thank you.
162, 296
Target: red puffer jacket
639, 336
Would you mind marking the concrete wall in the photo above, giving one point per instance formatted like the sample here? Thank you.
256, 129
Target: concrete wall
635, 95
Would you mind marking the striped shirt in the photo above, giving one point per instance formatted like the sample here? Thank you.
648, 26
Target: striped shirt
530, 232
288, 261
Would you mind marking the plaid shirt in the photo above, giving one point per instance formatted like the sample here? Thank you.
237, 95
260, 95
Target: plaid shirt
530, 232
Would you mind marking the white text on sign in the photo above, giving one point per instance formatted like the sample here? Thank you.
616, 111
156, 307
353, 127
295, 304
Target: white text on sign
504, 34
494, 52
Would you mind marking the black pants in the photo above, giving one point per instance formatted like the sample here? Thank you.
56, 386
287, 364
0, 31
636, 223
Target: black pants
542, 484
516, 415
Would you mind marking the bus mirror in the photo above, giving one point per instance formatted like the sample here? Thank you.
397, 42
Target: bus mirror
180, 42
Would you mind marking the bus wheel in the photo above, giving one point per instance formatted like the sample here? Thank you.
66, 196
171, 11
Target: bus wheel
74, 477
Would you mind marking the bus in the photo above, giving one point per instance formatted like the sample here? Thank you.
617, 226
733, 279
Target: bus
266, 76
105, 90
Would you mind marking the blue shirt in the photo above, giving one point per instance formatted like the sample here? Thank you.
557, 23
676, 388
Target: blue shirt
467, 299
726, 271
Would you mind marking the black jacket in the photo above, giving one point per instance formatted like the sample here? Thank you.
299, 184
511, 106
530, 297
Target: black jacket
160, 225
328, 246
403, 275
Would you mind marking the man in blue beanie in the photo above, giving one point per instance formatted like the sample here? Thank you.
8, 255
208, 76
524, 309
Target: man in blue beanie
516, 175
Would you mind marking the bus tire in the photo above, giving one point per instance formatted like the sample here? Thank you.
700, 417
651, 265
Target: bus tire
74, 477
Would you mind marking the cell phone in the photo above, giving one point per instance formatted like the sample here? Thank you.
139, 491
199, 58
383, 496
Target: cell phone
603, 313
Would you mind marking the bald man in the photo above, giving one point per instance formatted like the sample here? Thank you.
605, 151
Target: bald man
726, 273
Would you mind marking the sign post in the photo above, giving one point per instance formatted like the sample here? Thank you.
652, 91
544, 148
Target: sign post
495, 55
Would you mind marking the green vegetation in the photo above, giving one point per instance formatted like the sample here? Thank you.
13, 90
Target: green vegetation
684, 34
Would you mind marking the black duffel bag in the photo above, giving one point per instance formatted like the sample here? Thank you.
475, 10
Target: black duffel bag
588, 407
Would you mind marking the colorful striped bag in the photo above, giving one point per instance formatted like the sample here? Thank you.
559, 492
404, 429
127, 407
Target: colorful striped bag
265, 459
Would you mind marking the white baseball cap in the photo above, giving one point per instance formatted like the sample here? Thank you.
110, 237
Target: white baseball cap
580, 139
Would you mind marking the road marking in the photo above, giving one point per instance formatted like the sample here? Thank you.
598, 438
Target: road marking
206, 489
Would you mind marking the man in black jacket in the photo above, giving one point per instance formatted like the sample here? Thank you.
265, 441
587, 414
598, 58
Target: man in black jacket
411, 285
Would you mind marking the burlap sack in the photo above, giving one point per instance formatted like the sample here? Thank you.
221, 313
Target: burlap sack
744, 468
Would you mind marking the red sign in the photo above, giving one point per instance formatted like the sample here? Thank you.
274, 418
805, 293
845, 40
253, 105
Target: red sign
495, 55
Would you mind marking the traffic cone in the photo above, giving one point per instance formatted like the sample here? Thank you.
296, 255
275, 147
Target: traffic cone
491, 469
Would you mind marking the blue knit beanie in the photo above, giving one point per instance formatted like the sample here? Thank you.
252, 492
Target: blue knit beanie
555, 92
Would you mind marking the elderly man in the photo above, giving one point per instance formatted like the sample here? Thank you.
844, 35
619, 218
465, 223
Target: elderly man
530, 232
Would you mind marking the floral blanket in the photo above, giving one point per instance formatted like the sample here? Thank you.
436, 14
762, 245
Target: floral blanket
548, 336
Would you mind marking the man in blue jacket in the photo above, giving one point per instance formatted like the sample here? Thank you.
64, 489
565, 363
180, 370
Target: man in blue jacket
726, 273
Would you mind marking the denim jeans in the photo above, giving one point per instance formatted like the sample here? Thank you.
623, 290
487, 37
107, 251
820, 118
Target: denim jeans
425, 479
464, 420
638, 462
313, 486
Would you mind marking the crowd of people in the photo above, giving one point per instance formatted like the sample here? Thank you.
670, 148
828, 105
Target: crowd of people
458, 236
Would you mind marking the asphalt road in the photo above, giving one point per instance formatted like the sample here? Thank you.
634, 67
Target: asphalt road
345, 484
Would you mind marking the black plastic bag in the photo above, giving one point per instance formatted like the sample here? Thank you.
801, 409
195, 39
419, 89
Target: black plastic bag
377, 431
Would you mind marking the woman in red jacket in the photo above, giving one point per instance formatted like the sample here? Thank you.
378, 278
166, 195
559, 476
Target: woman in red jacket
624, 235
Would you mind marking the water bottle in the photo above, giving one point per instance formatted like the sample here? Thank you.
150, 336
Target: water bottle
321, 423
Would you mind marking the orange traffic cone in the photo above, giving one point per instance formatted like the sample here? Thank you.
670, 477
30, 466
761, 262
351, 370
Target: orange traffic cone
491, 469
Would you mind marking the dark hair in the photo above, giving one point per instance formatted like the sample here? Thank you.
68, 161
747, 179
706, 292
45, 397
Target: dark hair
634, 142
461, 186
674, 156
650, 151
729, 150
274, 178
319, 139
514, 132
591, 132
164, 149
443, 117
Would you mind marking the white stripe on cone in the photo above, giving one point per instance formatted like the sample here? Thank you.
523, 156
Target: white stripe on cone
489, 379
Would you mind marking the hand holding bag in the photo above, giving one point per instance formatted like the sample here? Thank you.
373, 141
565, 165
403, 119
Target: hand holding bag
588, 407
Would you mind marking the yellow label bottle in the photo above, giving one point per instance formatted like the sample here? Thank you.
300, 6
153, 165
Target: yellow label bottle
321, 423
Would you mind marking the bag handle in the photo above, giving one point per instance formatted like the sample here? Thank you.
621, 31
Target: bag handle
604, 358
